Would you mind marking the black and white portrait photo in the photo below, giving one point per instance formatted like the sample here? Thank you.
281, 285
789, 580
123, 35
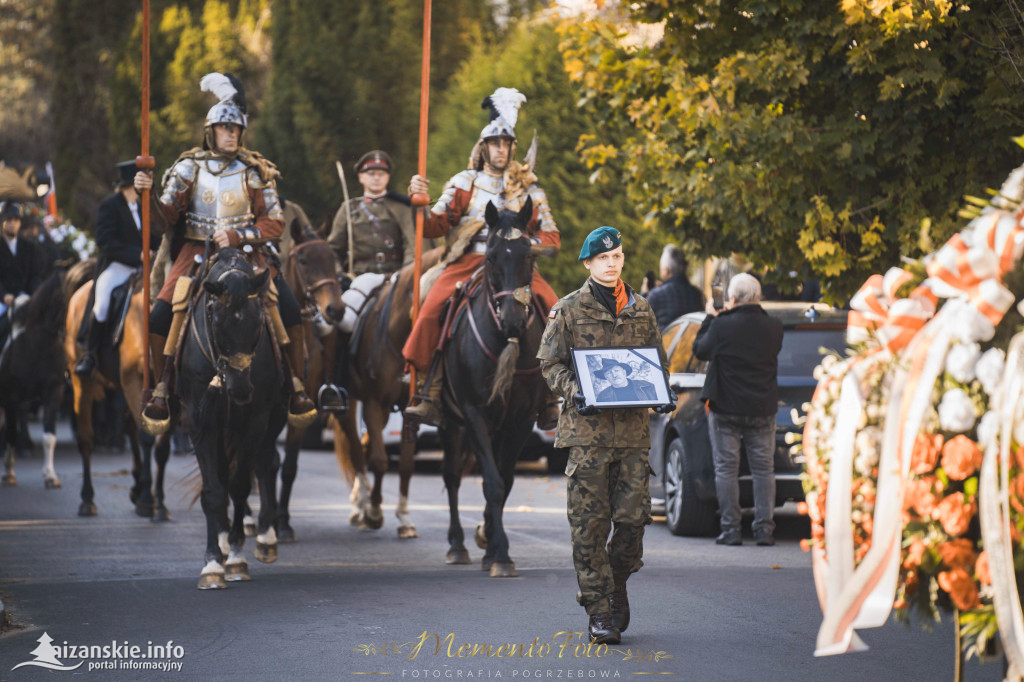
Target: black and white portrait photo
621, 377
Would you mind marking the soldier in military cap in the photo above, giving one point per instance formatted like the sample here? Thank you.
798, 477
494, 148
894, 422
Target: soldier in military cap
227, 196
119, 241
607, 473
383, 236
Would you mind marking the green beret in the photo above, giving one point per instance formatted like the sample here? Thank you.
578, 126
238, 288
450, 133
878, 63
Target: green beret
600, 240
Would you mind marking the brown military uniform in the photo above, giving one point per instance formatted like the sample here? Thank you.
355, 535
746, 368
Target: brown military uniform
383, 234
608, 470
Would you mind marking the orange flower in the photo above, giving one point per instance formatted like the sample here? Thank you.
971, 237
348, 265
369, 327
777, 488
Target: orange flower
805, 545
953, 514
801, 508
961, 588
914, 554
922, 494
981, 569
925, 455
961, 457
868, 524
957, 553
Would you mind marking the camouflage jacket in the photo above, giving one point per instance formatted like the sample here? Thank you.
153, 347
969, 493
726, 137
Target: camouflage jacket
580, 321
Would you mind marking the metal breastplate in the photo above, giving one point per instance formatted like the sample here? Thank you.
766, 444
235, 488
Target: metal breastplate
485, 188
220, 201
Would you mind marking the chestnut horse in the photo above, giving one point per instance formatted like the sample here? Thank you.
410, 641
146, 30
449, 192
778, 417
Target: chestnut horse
374, 371
121, 371
310, 273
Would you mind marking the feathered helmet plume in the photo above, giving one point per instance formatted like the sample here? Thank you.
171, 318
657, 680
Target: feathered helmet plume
231, 106
504, 106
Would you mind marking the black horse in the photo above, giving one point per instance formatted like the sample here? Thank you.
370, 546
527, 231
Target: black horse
493, 386
32, 368
231, 383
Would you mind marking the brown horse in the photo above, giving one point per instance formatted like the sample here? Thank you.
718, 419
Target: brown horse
120, 371
310, 273
375, 367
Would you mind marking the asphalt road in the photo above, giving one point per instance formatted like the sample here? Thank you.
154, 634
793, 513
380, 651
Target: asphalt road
343, 603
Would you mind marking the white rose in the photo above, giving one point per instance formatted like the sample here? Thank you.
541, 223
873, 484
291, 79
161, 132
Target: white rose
988, 429
956, 411
961, 360
990, 369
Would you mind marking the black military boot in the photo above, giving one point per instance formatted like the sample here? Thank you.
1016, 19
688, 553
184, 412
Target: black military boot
602, 630
88, 362
619, 603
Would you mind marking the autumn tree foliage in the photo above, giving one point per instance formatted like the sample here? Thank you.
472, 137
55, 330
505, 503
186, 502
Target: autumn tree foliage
818, 137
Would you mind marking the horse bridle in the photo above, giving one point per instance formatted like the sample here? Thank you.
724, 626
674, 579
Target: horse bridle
310, 289
220, 362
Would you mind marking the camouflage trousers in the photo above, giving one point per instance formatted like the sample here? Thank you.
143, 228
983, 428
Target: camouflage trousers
607, 491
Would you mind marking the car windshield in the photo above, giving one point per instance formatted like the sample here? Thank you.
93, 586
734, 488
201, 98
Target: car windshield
801, 349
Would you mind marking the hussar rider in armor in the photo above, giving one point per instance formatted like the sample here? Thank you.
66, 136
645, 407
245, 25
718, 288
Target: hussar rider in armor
493, 176
225, 195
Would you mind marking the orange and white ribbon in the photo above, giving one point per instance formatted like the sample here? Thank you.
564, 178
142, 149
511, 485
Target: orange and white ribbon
994, 509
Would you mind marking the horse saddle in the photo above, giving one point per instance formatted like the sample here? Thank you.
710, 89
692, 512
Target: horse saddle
120, 301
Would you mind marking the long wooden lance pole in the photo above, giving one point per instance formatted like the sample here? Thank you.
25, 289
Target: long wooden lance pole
421, 201
145, 162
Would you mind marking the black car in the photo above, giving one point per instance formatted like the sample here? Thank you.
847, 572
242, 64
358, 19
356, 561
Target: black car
684, 475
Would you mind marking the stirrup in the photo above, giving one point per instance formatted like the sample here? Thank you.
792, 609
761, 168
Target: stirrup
158, 421
303, 419
331, 398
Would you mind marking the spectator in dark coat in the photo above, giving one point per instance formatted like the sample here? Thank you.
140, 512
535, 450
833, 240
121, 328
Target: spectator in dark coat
676, 296
742, 344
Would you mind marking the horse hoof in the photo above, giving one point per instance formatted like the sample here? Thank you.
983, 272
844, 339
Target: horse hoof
133, 495
250, 530
285, 534
52, 483
212, 581
87, 509
371, 523
457, 556
479, 536
503, 570
237, 573
265, 553
406, 532
144, 509
10, 480
486, 563
355, 518
161, 515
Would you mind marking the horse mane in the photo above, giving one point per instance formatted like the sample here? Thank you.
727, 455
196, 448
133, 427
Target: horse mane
47, 306
226, 260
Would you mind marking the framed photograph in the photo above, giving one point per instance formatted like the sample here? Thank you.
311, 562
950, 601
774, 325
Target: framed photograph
621, 377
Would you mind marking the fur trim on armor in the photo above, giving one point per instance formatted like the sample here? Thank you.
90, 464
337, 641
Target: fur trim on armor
264, 166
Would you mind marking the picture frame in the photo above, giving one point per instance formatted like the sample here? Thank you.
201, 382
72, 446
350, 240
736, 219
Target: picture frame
621, 376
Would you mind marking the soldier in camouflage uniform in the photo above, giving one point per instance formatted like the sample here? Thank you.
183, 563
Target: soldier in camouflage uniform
608, 470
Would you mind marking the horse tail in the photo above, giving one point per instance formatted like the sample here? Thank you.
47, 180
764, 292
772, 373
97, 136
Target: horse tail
506, 371
343, 451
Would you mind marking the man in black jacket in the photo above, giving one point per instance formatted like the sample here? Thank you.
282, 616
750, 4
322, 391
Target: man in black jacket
21, 268
119, 240
742, 344
676, 296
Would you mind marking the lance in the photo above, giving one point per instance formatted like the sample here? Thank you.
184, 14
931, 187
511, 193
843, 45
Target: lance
145, 162
421, 201
348, 219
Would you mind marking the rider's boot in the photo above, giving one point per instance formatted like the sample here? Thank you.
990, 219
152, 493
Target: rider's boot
547, 418
156, 414
428, 409
88, 362
331, 397
301, 410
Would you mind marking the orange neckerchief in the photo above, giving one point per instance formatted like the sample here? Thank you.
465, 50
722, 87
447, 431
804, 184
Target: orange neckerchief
621, 297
